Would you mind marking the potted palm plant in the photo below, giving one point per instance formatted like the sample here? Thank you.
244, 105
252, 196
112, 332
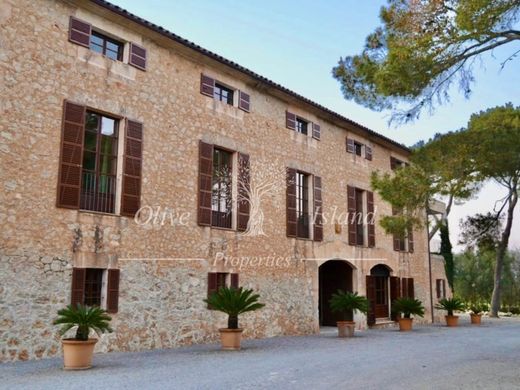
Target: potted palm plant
346, 303
450, 305
407, 307
233, 302
476, 310
78, 351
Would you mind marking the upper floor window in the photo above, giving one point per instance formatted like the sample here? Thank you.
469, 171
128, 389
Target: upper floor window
301, 126
98, 184
359, 149
360, 218
107, 46
224, 94
396, 163
302, 204
222, 201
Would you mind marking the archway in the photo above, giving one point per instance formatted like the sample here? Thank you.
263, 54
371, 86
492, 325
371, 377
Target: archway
380, 294
334, 275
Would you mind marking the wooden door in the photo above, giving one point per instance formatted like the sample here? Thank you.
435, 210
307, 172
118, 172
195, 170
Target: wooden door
381, 301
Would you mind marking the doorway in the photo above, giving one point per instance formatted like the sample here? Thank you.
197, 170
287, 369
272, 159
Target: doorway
381, 277
333, 275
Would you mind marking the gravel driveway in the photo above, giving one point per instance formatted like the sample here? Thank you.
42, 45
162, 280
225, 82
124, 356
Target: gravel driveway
431, 357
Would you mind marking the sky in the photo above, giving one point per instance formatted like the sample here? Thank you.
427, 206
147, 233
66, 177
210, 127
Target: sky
296, 44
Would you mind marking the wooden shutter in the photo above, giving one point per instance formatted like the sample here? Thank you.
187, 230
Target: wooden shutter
137, 56
316, 131
368, 152
393, 163
79, 32
407, 288
234, 280
205, 179
410, 241
411, 291
443, 288
438, 287
351, 148
207, 85
397, 243
71, 155
371, 296
351, 207
244, 177
371, 224
318, 209
244, 101
78, 286
292, 222
112, 290
290, 120
212, 285
132, 168
395, 293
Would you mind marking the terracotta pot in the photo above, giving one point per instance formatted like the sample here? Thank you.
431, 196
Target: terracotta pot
476, 318
452, 320
230, 339
77, 354
405, 324
346, 328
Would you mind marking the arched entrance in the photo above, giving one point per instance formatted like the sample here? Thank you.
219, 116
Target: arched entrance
334, 275
380, 293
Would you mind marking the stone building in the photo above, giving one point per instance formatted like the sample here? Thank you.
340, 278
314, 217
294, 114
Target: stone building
140, 171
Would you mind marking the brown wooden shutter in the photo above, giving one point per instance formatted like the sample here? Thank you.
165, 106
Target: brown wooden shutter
351, 207
318, 209
290, 120
212, 285
244, 177
71, 155
393, 163
244, 101
132, 168
316, 131
371, 296
351, 148
443, 288
397, 243
112, 290
368, 152
79, 32
137, 56
207, 85
291, 203
411, 291
78, 286
410, 241
205, 179
395, 293
438, 287
371, 223
234, 280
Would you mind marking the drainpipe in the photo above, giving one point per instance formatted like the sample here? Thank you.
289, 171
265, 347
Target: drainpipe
429, 262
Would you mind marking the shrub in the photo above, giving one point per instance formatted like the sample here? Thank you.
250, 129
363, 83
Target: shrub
450, 305
85, 318
346, 303
408, 307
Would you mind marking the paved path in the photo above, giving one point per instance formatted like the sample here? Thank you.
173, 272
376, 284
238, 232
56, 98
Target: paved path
431, 357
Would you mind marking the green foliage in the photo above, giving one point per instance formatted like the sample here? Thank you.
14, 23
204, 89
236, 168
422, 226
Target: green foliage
474, 275
478, 308
481, 231
85, 318
450, 305
421, 49
233, 302
408, 307
348, 302
447, 253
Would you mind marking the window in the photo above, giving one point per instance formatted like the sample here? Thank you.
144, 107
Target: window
224, 94
217, 280
222, 202
302, 204
396, 163
301, 126
360, 218
107, 46
93, 286
358, 148
98, 184
441, 288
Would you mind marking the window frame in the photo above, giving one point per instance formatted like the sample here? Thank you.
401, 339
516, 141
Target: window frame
358, 146
106, 39
303, 206
229, 99
301, 126
89, 285
217, 220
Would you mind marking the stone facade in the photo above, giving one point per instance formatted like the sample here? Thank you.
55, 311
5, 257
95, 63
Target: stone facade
163, 268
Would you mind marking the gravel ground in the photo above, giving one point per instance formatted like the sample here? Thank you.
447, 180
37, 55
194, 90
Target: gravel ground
430, 357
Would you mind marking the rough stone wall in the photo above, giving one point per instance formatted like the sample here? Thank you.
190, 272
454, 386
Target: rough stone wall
160, 303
